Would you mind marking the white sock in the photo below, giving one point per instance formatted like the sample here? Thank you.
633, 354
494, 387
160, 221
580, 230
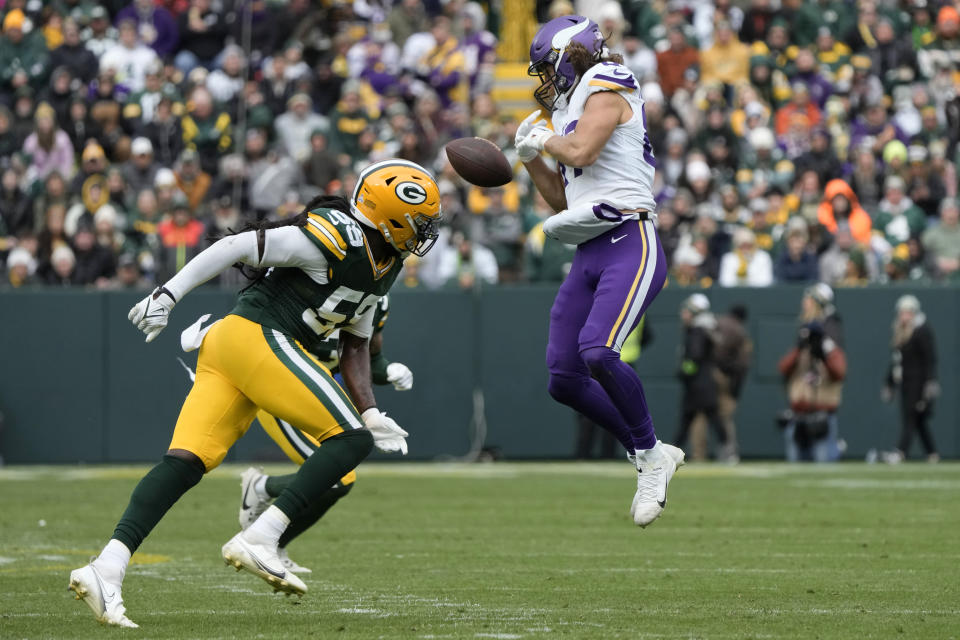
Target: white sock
112, 561
260, 488
268, 527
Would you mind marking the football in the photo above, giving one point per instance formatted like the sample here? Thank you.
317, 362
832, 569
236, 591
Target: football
479, 162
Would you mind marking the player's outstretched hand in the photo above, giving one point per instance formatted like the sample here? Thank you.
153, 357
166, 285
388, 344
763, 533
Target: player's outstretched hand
530, 146
387, 434
400, 376
150, 315
525, 127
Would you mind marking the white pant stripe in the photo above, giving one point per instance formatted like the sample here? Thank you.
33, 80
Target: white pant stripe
650, 268
328, 391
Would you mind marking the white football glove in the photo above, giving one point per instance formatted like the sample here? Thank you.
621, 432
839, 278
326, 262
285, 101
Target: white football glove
400, 376
150, 315
387, 434
530, 146
527, 126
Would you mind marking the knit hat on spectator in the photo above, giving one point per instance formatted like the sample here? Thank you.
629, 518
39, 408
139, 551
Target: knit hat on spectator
20, 257
894, 182
180, 201
677, 135
14, 20
697, 170
127, 260
762, 138
947, 14
651, 92
916, 153
141, 146
894, 152
164, 178
687, 255
759, 205
92, 151
63, 253
106, 214
44, 110
796, 225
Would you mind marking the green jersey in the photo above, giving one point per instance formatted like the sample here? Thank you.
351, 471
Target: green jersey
311, 311
327, 352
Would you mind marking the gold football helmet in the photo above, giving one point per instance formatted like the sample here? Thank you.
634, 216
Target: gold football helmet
400, 199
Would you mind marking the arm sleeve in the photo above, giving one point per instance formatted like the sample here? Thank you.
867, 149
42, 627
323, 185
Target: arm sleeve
378, 368
282, 247
788, 363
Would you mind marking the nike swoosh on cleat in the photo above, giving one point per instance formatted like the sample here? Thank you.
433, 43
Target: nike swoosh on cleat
616, 240
103, 590
662, 503
281, 575
243, 502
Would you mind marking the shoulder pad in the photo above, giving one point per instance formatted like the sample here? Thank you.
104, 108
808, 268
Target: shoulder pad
324, 233
610, 76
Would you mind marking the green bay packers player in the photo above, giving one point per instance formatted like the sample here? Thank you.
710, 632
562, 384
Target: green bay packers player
258, 490
327, 269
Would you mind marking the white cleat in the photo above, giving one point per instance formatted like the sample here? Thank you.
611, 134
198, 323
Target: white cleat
655, 467
289, 564
102, 597
263, 561
251, 505
679, 457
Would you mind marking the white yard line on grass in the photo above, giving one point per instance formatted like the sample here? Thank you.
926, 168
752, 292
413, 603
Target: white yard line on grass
947, 472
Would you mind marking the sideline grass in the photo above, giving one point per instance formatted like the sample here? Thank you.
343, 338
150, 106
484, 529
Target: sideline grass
514, 551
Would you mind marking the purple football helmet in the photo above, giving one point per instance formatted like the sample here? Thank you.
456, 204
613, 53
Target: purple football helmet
549, 60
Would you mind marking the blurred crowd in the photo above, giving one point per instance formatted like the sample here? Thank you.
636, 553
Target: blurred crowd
796, 142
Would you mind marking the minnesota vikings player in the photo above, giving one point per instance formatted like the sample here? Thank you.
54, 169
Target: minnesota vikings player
602, 189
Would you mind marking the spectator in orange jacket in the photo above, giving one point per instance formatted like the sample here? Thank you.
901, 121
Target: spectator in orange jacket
839, 204
799, 103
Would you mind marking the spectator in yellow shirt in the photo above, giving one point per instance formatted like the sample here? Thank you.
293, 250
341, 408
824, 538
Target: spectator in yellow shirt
727, 61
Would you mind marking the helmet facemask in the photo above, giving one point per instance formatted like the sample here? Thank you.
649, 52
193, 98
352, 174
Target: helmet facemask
426, 232
553, 86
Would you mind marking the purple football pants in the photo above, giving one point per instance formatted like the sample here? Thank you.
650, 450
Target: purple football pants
612, 281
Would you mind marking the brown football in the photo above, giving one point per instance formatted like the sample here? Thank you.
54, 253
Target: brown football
479, 162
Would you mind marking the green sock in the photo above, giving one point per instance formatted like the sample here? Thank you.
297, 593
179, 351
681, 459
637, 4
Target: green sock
314, 511
323, 469
276, 484
154, 495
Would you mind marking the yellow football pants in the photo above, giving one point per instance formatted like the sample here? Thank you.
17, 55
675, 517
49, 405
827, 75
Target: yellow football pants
243, 367
296, 444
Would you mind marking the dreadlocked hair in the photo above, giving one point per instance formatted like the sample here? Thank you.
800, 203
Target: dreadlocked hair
322, 201
581, 59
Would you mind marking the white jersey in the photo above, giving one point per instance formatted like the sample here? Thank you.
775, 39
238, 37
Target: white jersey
622, 176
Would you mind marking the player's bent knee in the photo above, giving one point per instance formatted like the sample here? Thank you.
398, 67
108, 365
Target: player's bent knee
189, 469
358, 441
598, 359
564, 387
190, 458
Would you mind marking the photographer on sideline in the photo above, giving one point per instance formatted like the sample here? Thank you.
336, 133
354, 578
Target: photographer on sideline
814, 371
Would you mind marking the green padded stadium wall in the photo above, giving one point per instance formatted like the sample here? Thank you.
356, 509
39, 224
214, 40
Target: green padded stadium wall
78, 384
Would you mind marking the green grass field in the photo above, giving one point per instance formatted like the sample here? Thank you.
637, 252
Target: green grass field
514, 551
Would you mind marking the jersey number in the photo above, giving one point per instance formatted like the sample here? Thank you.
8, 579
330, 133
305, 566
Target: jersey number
354, 234
341, 304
